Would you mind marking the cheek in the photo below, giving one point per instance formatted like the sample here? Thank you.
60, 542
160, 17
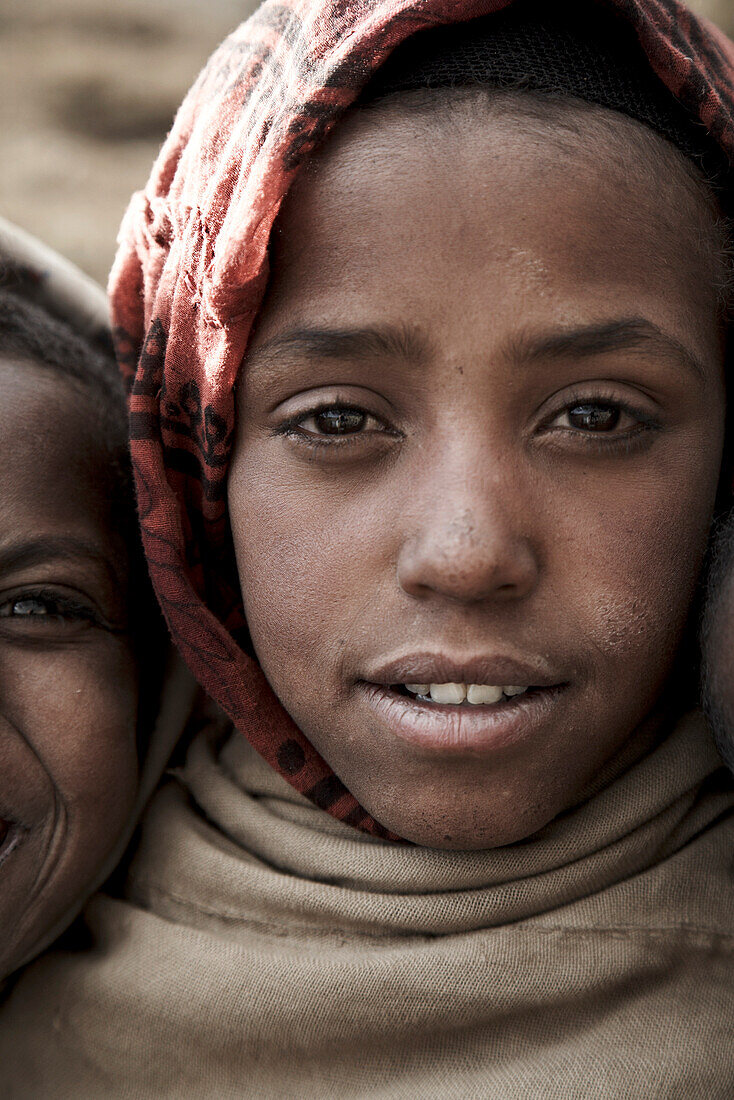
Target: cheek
77, 712
26, 791
634, 568
67, 727
311, 562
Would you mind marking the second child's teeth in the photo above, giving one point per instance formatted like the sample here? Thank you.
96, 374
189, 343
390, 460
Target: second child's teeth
477, 694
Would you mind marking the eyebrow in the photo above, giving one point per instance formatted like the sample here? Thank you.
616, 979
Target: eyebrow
409, 344
45, 549
626, 334
401, 342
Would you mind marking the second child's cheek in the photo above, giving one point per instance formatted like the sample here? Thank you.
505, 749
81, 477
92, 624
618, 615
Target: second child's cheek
77, 710
26, 791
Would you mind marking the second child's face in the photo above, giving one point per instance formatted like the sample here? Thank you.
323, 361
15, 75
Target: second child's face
68, 680
479, 436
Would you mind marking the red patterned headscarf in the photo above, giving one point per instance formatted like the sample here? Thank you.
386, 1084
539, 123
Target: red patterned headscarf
191, 272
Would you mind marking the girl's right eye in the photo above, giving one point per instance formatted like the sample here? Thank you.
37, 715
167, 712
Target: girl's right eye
332, 421
338, 421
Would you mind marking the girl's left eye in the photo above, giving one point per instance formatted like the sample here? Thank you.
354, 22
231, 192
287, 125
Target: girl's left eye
601, 417
594, 418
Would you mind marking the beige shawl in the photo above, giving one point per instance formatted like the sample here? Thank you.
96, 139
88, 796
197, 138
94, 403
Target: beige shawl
262, 949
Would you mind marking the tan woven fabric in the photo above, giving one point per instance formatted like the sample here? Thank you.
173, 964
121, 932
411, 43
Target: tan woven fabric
264, 949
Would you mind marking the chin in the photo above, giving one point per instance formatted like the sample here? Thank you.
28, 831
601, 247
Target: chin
453, 831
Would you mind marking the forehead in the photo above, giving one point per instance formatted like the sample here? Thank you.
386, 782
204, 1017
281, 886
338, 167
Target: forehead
52, 462
400, 206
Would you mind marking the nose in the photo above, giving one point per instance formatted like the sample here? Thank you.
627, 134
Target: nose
469, 540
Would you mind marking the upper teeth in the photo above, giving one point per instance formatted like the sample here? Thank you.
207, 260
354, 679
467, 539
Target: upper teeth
458, 693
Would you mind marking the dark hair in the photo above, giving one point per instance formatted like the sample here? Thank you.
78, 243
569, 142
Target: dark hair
29, 332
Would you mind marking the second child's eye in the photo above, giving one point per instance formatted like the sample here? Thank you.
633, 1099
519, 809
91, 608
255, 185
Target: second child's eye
45, 609
30, 605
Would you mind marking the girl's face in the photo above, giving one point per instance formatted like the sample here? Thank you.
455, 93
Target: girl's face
68, 681
479, 437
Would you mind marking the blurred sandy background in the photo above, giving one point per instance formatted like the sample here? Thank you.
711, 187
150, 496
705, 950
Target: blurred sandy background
88, 89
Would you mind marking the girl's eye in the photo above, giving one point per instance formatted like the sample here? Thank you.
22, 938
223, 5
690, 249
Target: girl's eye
602, 418
333, 421
594, 417
338, 421
603, 422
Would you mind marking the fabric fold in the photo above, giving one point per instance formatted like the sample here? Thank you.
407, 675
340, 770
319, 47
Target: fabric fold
307, 872
260, 948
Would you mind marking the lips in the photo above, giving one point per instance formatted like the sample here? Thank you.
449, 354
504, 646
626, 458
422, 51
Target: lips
433, 668
462, 728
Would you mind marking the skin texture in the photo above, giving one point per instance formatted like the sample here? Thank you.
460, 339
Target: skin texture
470, 516
68, 704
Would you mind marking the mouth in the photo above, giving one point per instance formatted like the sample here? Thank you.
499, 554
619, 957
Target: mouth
462, 726
461, 695
477, 705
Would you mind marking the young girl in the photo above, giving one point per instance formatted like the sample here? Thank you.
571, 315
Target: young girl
426, 306
74, 618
